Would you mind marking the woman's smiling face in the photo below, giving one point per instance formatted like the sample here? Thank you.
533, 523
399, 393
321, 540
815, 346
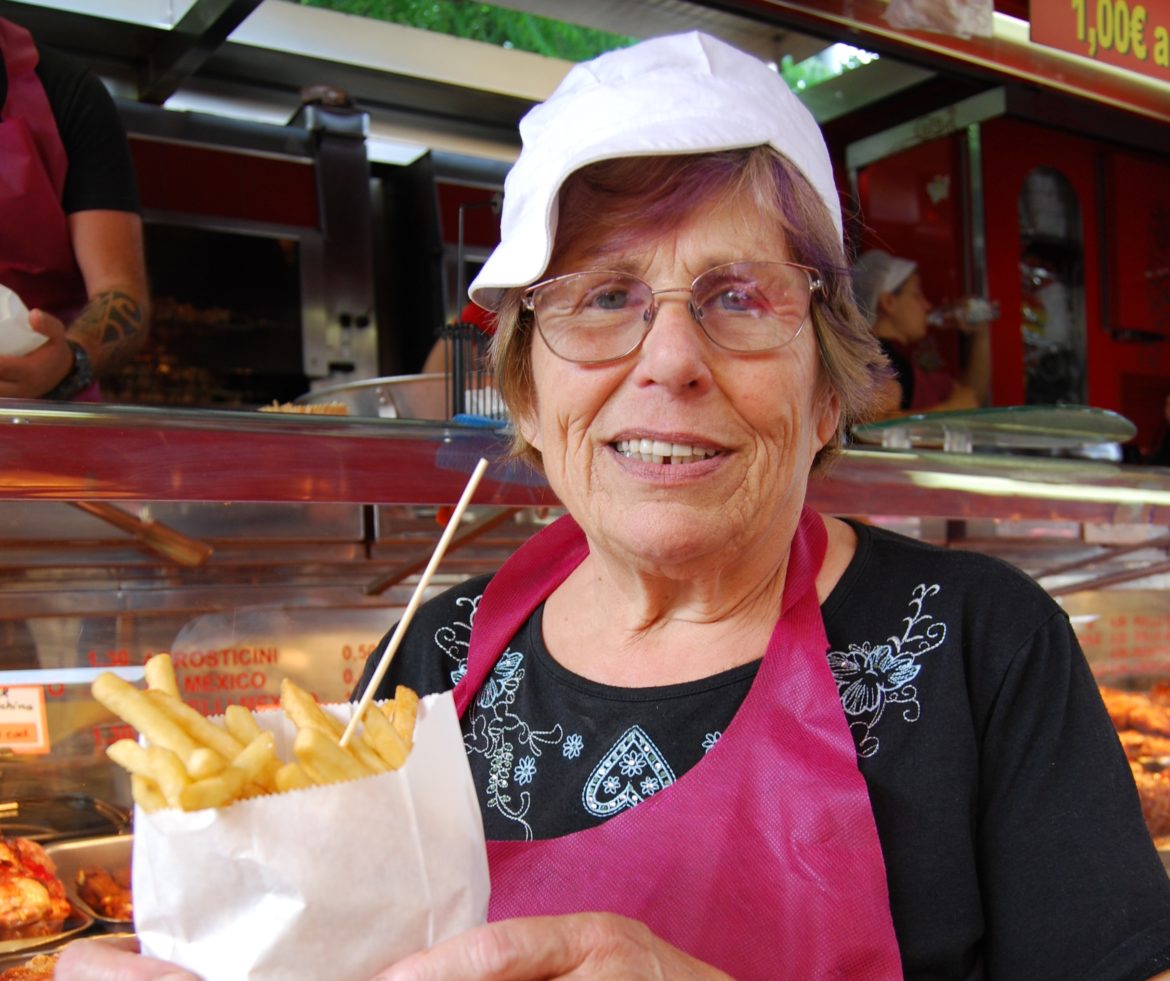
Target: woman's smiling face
743, 428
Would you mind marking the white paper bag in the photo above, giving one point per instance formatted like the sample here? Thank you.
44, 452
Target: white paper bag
16, 336
335, 882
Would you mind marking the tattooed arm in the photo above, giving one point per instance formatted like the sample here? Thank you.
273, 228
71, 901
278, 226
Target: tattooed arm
111, 326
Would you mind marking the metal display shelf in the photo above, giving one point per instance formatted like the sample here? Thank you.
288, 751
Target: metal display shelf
115, 452
128, 453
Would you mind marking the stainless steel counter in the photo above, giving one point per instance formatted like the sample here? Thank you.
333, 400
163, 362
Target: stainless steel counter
255, 546
127, 453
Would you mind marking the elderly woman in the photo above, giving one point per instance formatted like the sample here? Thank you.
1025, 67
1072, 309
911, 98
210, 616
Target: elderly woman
712, 731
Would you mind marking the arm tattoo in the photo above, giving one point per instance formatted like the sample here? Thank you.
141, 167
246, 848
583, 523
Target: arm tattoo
116, 321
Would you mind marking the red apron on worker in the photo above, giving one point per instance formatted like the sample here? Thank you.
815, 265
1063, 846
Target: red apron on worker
763, 859
36, 255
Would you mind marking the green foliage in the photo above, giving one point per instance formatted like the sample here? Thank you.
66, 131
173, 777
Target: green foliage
833, 61
486, 23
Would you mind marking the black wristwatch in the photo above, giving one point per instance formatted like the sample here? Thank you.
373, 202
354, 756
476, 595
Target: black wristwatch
80, 377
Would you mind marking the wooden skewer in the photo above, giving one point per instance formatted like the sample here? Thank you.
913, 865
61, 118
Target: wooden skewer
415, 601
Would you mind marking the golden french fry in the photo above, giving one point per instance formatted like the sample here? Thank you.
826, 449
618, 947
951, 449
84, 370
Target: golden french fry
241, 723
405, 714
160, 675
320, 754
384, 739
243, 726
195, 763
304, 711
130, 756
146, 793
257, 757
167, 770
205, 762
133, 706
202, 730
292, 776
232, 783
359, 748
217, 791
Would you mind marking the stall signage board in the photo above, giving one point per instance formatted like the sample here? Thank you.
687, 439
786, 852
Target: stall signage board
1133, 34
23, 725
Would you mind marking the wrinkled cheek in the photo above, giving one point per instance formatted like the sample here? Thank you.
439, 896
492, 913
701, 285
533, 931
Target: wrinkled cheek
566, 457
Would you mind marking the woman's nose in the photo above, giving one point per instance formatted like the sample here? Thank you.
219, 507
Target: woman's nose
676, 351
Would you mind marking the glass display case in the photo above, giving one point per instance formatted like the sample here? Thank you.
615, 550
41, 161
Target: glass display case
258, 546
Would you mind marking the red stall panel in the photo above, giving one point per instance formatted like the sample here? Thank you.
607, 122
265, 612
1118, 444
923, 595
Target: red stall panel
1137, 223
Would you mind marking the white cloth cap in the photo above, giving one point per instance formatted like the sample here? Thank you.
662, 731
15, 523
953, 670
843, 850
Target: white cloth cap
876, 272
686, 93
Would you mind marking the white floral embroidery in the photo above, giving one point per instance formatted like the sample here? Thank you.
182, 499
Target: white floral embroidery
632, 764
710, 740
605, 792
871, 677
453, 639
495, 731
573, 746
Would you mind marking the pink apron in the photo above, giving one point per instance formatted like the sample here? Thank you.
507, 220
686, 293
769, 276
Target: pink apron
36, 254
763, 859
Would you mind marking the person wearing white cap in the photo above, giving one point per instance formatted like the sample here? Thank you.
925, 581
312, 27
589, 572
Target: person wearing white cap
714, 733
889, 293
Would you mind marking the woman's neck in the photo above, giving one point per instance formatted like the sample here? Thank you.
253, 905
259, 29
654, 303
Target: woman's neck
626, 627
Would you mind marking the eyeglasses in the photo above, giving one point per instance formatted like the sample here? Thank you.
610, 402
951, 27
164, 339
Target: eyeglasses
594, 317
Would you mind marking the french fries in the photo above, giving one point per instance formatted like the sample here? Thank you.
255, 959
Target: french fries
192, 762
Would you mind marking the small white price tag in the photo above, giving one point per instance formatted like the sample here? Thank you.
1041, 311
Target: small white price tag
23, 726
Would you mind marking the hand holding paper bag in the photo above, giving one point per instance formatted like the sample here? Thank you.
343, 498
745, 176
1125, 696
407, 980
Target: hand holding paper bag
335, 881
276, 880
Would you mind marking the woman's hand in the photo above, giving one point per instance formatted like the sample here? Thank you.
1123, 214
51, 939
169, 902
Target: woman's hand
593, 945
102, 960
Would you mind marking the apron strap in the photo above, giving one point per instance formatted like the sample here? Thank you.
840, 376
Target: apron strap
27, 100
523, 582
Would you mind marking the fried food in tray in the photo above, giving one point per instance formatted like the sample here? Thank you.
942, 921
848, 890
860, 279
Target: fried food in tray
33, 901
1153, 788
1136, 710
106, 892
1144, 745
40, 967
1142, 721
96, 873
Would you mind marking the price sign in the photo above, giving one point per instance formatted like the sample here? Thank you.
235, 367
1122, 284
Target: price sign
1124, 33
23, 727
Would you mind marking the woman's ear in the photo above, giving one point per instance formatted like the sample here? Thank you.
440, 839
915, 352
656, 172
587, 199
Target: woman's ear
885, 304
828, 416
527, 425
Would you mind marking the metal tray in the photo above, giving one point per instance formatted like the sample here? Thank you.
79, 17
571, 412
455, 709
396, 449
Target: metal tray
111, 852
52, 818
80, 919
392, 397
